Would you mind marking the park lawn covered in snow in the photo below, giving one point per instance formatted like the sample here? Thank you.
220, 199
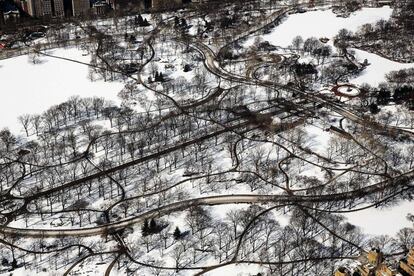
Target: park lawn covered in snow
319, 138
375, 73
382, 221
33, 88
238, 270
322, 23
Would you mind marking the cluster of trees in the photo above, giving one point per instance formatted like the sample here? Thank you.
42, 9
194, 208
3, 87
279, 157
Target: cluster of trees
70, 127
187, 68
401, 77
396, 89
405, 95
314, 47
262, 238
387, 38
57, 117
346, 7
141, 22
152, 227
290, 69
223, 25
303, 69
130, 38
158, 77
400, 95
228, 21
404, 15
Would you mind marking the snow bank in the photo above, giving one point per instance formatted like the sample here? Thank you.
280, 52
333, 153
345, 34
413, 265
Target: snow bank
33, 88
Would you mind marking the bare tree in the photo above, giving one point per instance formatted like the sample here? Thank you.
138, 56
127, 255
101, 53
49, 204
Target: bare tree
25, 120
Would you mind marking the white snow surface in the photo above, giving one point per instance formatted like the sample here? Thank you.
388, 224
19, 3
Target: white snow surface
375, 73
386, 221
33, 88
237, 270
319, 137
323, 23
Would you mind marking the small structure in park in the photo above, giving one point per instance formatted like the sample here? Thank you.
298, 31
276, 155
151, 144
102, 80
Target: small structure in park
346, 90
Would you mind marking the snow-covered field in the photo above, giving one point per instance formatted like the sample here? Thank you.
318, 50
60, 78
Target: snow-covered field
322, 23
238, 270
33, 88
375, 73
385, 221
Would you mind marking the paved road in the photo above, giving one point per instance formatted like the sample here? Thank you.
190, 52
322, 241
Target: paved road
110, 228
397, 183
213, 66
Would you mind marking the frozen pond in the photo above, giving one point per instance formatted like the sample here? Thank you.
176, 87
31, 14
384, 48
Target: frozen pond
33, 88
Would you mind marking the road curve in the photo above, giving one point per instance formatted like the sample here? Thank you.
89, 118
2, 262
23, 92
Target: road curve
213, 66
112, 227
397, 182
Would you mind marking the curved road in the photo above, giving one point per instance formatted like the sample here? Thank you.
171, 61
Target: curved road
213, 66
396, 182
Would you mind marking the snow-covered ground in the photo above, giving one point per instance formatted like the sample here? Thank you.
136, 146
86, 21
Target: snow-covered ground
322, 23
319, 137
375, 73
33, 88
238, 270
386, 221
